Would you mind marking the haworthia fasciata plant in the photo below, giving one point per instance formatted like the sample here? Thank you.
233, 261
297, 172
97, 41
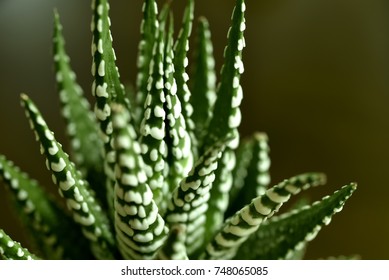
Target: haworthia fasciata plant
159, 171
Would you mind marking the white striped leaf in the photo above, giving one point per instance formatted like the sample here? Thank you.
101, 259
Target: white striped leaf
180, 60
82, 128
189, 202
148, 32
52, 231
140, 230
153, 126
293, 229
12, 250
246, 221
79, 197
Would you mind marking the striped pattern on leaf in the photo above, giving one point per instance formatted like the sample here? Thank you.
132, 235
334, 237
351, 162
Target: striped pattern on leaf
226, 114
190, 200
81, 123
172, 169
106, 87
79, 197
251, 175
51, 228
12, 250
178, 141
140, 230
82, 128
153, 126
219, 195
148, 34
247, 220
294, 229
181, 48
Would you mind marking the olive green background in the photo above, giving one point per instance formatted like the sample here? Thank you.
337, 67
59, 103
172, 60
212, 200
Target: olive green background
316, 80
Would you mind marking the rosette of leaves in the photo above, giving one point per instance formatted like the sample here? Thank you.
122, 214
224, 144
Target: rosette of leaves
161, 172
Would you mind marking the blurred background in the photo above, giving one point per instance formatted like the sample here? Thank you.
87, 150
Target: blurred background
316, 81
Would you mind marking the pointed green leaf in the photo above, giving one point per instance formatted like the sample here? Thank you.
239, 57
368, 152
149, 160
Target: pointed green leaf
203, 98
203, 81
180, 61
153, 130
190, 200
226, 117
280, 237
226, 114
243, 223
254, 179
221, 187
79, 197
81, 124
140, 230
52, 230
181, 48
12, 250
106, 87
148, 33
178, 141
87, 147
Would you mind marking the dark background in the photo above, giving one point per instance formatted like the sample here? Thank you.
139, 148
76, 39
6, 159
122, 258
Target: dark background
316, 81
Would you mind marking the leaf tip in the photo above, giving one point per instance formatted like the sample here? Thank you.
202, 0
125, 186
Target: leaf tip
24, 97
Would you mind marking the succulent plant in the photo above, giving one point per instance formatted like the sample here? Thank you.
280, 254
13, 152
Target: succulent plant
159, 172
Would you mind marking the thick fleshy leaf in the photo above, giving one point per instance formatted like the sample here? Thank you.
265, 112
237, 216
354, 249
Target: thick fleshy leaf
226, 117
149, 33
247, 220
293, 229
81, 123
229, 93
153, 126
140, 230
106, 87
190, 200
82, 128
79, 197
178, 141
221, 187
181, 48
251, 175
12, 250
203, 81
52, 230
